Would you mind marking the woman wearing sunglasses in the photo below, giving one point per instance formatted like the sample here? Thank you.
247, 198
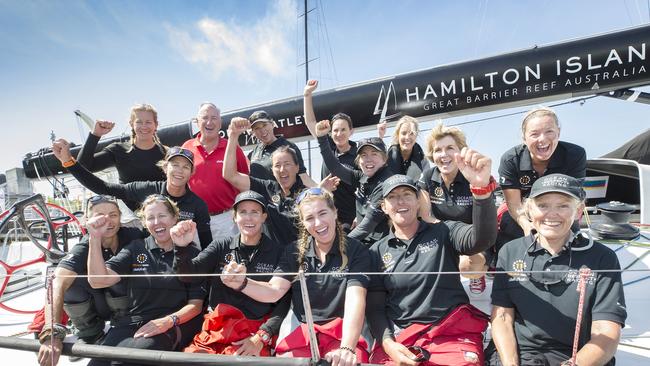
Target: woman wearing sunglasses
87, 308
337, 297
371, 224
254, 324
405, 155
164, 313
431, 311
534, 313
280, 192
178, 166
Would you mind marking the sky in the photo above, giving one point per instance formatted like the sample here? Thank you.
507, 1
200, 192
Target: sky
103, 56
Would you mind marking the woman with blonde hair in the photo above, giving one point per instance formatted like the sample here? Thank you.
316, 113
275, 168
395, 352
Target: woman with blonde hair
541, 153
405, 155
536, 296
450, 193
337, 299
135, 160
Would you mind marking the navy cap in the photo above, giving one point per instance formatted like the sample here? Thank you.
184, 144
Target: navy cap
375, 142
558, 183
250, 196
395, 181
259, 116
179, 151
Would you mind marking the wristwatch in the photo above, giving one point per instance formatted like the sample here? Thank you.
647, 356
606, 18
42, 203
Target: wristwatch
265, 337
479, 191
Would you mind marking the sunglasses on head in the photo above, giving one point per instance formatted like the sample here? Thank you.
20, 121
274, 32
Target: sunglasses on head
316, 191
177, 150
100, 198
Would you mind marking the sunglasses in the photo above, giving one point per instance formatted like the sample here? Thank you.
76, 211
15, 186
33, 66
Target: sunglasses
554, 277
316, 191
100, 198
179, 151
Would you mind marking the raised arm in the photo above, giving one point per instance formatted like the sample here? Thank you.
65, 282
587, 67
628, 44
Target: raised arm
96, 161
308, 106
481, 235
230, 173
100, 276
346, 174
61, 149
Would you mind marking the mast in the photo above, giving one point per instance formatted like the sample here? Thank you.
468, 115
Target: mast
307, 79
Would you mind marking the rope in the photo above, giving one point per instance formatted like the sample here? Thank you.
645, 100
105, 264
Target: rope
584, 275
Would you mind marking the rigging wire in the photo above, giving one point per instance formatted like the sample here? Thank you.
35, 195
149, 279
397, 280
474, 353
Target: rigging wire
321, 13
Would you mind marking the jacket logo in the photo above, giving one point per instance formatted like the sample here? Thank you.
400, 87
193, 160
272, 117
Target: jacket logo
438, 192
518, 266
524, 180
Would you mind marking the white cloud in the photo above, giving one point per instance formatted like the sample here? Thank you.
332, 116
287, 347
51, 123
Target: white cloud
247, 49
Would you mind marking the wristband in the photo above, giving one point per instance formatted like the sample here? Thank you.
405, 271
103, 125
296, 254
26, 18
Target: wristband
243, 285
69, 163
58, 331
174, 319
479, 191
347, 349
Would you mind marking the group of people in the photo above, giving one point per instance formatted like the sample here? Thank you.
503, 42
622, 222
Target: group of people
212, 264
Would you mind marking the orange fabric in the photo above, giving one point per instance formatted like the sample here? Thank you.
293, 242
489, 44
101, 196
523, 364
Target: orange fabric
329, 337
224, 325
39, 321
456, 340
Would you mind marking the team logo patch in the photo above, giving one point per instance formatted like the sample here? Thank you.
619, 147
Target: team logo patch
438, 192
386, 258
524, 180
229, 257
518, 266
141, 258
275, 198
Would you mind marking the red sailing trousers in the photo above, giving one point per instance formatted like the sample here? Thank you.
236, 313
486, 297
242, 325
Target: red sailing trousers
224, 325
329, 337
456, 340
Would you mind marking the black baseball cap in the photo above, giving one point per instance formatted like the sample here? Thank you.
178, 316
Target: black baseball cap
395, 181
179, 151
558, 183
250, 196
375, 142
259, 116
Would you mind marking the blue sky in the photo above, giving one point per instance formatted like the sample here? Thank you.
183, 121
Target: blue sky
103, 56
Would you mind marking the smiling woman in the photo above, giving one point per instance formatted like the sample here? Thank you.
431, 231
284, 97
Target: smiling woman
554, 255
542, 153
164, 313
178, 167
134, 160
